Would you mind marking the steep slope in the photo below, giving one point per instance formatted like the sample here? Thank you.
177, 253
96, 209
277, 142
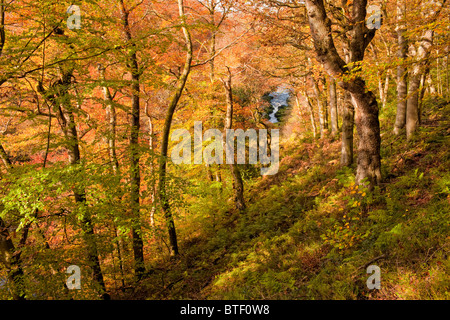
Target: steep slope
310, 232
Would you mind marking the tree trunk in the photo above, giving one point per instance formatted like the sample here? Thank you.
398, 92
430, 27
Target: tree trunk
10, 258
348, 124
348, 119
367, 122
173, 244
218, 175
311, 113
447, 74
8, 255
412, 109
111, 118
212, 50
386, 90
333, 106
423, 86
5, 158
209, 173
383, 85
238, 184
111, 139
135, 177
68, 126
152, 167
79, 193
320, 107
402, 73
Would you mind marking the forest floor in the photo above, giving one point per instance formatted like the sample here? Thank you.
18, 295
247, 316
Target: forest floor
309, 232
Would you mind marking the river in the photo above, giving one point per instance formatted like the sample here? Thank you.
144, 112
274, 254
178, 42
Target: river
279, 99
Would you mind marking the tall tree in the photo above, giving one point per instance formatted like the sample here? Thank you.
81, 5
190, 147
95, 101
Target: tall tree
367, 122
9, 256
175, 98
58, 96
348, 124
111, 118
402, 74
333, 106
238, 184
412, 109
135, 176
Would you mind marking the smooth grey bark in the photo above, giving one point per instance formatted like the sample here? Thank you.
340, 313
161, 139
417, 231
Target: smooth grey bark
423, 86
212, 45
383, 84
238, 184
162, 192
135, 177
111, 140
311, 114
348, 122
367, 122
402, 72
385, 90
152, 167
321, 108
333, 106
112, 120
421, 53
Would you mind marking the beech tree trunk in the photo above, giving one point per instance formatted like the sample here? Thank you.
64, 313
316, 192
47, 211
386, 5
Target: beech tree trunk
321, 107
8, 255
238, 184
423, 86
111, 118
111, 139
348, 120
212, 48
162, 193
412, 110
10, 258
152, 167
311, 113
135, 177
367, 122
333, 106
5, 158
383, 84
402, 73
383, 87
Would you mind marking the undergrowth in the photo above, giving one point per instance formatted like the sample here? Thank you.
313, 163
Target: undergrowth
309, 232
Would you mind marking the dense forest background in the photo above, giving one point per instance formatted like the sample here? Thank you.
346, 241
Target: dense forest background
90, 92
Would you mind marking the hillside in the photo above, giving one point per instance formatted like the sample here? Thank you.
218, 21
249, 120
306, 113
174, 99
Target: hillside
309, 232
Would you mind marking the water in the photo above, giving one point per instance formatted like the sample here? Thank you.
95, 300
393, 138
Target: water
279, 99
